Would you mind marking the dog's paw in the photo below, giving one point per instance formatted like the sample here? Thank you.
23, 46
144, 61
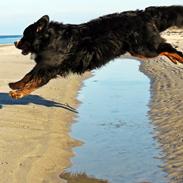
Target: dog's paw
16, 94
14, 86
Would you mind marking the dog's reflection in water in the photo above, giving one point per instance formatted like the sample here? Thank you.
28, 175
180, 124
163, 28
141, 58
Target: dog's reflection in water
80, 178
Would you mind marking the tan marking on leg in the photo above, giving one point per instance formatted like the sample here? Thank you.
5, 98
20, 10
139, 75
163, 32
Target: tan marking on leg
20, 84
174, 57
28, 88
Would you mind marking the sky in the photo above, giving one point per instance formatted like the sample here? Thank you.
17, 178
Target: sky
16, 15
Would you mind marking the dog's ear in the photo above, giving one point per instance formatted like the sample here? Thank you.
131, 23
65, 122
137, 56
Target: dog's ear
42, 23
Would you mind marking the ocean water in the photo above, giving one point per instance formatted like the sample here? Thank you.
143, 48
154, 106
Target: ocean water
113, 124
9, 39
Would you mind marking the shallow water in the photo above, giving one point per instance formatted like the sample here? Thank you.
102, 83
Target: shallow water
114, 126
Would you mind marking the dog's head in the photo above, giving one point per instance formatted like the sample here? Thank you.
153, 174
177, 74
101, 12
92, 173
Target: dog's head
30, 35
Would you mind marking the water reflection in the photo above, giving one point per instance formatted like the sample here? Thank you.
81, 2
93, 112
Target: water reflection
80, 178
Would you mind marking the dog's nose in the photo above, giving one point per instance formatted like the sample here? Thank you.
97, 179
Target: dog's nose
16, 43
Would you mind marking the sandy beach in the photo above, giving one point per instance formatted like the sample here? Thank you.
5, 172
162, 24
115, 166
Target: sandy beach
35, 145
166, 106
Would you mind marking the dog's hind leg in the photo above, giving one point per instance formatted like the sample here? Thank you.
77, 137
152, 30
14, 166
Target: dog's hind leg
174, 57
167, 50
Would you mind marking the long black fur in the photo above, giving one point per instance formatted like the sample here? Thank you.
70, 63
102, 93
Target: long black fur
61, 49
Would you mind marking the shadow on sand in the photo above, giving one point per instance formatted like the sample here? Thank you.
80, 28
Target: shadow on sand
5, 99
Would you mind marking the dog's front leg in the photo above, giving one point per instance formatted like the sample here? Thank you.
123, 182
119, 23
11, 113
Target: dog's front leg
20, 84
27, 89
38, 77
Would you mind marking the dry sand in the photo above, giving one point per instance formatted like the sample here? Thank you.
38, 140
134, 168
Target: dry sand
166, 106
35, 145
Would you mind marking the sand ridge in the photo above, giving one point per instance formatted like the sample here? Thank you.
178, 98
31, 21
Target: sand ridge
35, 145
166, 106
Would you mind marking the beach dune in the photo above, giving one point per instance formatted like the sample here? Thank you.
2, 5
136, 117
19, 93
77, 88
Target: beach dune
35, 145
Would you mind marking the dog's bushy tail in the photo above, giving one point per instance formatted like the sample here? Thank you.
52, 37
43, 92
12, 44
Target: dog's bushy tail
165, 16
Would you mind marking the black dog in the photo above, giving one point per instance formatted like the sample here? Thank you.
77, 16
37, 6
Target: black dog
61, 49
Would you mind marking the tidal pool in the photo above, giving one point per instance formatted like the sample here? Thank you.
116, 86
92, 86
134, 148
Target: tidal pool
113, 124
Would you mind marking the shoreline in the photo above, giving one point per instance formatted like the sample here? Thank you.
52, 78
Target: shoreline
165, 107
35, 142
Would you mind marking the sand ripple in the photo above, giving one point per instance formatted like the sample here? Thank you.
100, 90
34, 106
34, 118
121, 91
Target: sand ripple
166, 107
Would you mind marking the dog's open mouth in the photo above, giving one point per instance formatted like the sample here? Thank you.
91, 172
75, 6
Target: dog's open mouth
25, 47
25, 52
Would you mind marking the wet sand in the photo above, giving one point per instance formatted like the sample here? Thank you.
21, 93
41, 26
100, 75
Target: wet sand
166, 106
35, 145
